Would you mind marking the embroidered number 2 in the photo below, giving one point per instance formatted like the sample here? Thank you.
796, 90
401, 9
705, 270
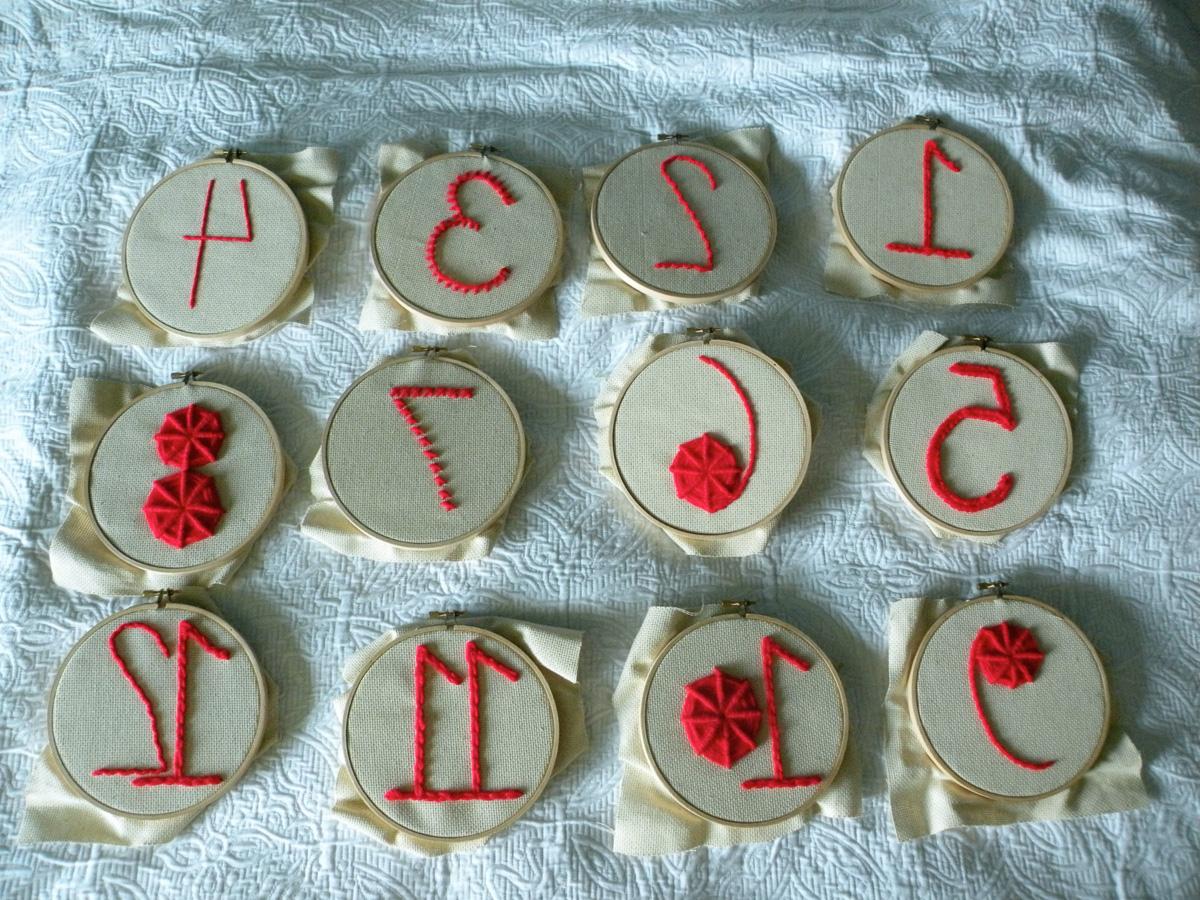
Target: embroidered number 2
418, 791
204, 237
926, 247
707, 265
460, 219
158, 776
1002, 416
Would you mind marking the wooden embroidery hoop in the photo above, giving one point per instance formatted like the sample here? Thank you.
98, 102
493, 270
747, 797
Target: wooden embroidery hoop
645, 287
149, 608
921, 123
738, 609
552, 273
983, 345
914, 709
437, 353
188, 379
451, 624
233, 158
708, 339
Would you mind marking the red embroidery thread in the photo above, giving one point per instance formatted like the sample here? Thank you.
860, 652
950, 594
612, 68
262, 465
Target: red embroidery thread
183, 508
720, 717
1003, 416
1008, 655
158, 777
419, 792
204, 237
704, 469
190, 436
404, 392
459, 219
927, 248
707, 265
770, 651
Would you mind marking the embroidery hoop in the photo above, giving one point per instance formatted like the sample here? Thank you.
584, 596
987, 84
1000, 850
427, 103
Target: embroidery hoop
882, 274
222, 159
647, 288
508, 314
451, 625
277, 495
788, 497
984, 346
230, 781
738, 610
522, 449
914, 708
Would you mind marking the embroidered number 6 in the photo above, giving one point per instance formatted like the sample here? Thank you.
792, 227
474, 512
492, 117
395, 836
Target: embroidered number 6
1002, 416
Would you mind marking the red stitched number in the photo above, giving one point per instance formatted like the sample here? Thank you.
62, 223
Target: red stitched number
1002, 416
459, 219
418, 791
1008, 655
400, 395
204, 237
770, 652
707, 265
185, 507
159, 776
926, 247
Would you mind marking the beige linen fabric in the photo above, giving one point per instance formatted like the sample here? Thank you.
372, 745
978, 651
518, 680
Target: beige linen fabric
325, 522
79, 560
649, 822
1059, 716
311, 174
1050, 359
924, 800
556, 653
538, 321
604, 292
759, 494
56, 810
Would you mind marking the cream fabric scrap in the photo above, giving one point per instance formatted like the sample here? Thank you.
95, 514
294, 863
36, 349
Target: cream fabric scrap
311, 174
847, 277
924, 800
381, 312
748, 542
604, 292
54, 811
1050, 359
554, 650
648, 821
325, 523
79, 560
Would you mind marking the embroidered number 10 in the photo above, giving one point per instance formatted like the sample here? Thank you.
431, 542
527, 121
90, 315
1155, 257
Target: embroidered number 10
419, 792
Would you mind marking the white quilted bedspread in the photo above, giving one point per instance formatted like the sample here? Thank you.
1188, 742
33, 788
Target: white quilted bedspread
1091, 108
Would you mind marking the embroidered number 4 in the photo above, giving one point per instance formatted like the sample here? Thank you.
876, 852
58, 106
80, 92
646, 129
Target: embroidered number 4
1002, 416
926, 247
418, 791
204, 237
707, 265
770, 652
401, 394
159, 776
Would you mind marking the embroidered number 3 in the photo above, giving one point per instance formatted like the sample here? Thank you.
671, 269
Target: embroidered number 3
707, 265
459, 219
1002, 416
926, 247
418, 791
159, 776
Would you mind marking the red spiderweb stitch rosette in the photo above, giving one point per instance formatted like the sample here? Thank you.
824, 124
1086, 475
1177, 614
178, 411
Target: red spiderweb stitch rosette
720, 717
184, 507
1009, 656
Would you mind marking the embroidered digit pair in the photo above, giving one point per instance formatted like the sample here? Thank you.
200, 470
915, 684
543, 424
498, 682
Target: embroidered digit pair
185, 507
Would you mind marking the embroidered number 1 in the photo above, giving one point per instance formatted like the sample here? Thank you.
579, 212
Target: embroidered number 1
770, 652
1002, 416
204, 237
159, 776
418, 791
926, 247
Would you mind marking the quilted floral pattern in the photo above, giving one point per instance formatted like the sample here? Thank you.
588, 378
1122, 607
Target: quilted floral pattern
1088, 106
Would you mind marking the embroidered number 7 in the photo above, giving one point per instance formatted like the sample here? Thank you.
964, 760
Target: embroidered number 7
1002, 416
426, 657
405, 392
159, 776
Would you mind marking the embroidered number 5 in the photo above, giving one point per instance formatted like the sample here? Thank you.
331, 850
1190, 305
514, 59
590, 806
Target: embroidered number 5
1002, 416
